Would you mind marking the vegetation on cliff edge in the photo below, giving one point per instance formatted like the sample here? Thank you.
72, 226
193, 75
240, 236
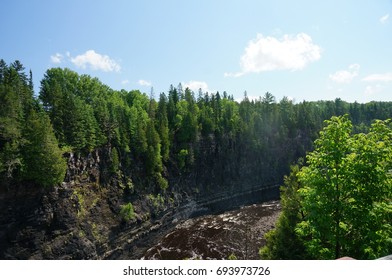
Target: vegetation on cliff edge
340, 202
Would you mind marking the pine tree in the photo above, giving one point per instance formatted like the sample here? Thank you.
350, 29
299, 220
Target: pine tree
282, 242
11, 120
42, 157
153, 155
163, 127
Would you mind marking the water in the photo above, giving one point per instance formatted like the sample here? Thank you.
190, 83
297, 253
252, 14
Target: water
239, 232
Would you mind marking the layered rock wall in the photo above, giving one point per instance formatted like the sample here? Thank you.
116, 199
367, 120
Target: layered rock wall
80, 219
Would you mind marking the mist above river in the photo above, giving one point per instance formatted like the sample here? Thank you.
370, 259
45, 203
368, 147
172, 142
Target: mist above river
239, 232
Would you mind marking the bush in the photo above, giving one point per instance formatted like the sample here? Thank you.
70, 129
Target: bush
127, 212
162, 182
157, 203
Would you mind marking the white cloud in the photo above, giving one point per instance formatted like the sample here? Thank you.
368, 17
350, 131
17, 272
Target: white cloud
269, 53
384, 19
196, 85
345, 76
144, 83
57, 58
124, 82
95, 61
372, 90
234, 75
385, 77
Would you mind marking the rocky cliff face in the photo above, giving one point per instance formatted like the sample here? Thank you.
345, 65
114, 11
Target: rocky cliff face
80, 219
50, 223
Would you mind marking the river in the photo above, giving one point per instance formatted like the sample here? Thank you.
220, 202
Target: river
239, 232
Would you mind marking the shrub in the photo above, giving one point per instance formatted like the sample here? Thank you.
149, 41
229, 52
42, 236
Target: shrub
127, 212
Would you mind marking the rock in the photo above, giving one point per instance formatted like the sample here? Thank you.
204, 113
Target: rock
79, 218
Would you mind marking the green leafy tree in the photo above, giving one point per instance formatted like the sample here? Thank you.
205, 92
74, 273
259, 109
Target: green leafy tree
346, 192
324, 186
369, 207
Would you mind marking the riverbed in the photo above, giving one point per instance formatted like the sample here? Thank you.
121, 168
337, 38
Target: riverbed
238, 233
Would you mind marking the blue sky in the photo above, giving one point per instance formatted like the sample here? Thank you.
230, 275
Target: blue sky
306, 50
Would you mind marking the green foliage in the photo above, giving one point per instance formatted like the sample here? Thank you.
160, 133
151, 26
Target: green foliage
43, 161
28, 147
162, 182
163, 127
68, 99
157, 203
79, 196
14, 103
182, 156
115, 161
127, 212
214, 139
339, 204
87, 115
153, 155
346, 185
282, 242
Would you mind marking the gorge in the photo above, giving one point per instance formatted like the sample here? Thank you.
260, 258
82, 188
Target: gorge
88, 172
78, 220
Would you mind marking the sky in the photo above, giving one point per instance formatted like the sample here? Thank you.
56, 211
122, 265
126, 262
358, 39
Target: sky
304, 50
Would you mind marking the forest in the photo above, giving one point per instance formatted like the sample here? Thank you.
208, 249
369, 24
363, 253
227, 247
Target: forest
209, 140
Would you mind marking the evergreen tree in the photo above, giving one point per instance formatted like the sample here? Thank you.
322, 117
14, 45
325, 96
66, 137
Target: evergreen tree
114, 160
12, 108
163, 127
153, 157
3, 70
42, 157
282, 242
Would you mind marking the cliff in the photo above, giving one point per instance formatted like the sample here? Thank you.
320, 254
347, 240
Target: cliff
80, 219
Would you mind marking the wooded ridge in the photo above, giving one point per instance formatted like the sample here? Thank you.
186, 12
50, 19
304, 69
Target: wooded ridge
153, 150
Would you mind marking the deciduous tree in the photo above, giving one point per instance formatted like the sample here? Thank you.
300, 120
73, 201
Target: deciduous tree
346, 192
